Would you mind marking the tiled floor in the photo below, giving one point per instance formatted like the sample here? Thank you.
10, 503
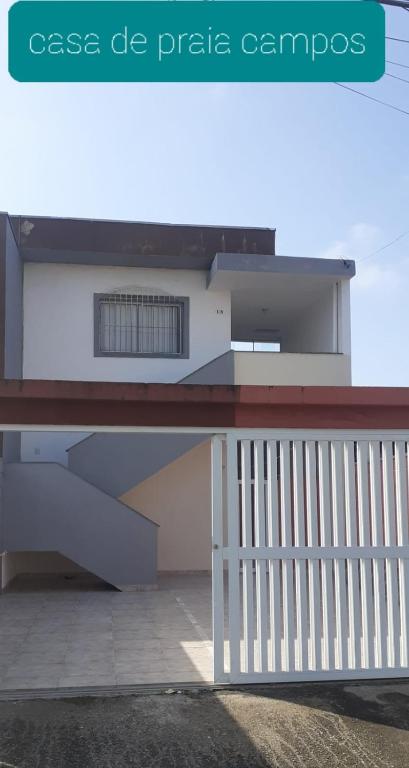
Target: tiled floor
89, 637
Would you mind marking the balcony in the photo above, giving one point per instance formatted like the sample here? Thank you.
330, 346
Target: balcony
293, 313
287, 369
275, 369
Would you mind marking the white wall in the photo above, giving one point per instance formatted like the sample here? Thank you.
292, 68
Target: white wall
48, 446
314, 329
59, 322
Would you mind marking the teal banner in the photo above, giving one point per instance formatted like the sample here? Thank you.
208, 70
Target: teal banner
191, 41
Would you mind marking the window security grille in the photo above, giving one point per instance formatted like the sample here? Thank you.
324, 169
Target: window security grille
144, 325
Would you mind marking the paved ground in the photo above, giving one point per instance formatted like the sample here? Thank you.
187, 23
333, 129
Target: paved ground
57, 638
308, 726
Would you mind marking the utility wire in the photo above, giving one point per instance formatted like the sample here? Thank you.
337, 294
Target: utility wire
397, 39
384, 247
395, 3
363, 258
395, 77
397, 64
372, 98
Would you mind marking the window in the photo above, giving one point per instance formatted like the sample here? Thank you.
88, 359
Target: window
256, 346
146, 326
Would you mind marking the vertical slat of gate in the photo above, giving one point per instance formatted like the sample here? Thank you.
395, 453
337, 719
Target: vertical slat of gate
261, 575
352, 564
274, 565
365, 565
390, 565
403, 541
338, 508
328, 655
377, 565
234, 562
287, 565
313, 565
300, 565
247, 537
217, 560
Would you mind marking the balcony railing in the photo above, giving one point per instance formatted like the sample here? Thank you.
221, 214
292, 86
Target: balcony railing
291, 369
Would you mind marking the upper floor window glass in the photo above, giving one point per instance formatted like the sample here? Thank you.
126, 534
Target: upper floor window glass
138, 325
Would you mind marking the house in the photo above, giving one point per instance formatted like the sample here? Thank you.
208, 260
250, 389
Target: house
105, 301
178, 400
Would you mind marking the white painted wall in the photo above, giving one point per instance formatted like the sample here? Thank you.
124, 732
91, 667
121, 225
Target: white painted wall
325, 326
314, 329
59, 322
48, 446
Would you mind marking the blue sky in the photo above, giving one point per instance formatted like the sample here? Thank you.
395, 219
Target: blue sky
328, 169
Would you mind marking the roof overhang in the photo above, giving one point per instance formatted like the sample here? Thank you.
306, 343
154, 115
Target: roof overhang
233, 271
133, 244
90, 406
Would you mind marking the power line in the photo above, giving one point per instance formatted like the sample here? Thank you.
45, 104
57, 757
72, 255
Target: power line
397, 39
384, 247
397, 64
372, 98
395, 77
395, 3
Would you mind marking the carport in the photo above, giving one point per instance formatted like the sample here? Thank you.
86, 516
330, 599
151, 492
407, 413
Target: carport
353, 622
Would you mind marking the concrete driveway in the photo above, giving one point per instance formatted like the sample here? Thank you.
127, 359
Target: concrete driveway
303, 726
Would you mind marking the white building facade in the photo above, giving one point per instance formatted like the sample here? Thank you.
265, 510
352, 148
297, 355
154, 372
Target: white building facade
144, 303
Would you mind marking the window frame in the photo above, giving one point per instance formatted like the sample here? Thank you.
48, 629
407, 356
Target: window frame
182, 301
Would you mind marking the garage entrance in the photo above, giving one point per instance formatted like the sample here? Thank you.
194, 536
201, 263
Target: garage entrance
310, 532
106, 561
310, 542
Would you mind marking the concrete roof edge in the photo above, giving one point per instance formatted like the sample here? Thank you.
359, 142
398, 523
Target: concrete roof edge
289, 264
389, 397
137, 222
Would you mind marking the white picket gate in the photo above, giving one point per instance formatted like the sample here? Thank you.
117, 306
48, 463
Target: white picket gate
310, 555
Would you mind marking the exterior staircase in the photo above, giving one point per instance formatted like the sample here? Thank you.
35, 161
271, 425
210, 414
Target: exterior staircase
50, 508
115, 463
